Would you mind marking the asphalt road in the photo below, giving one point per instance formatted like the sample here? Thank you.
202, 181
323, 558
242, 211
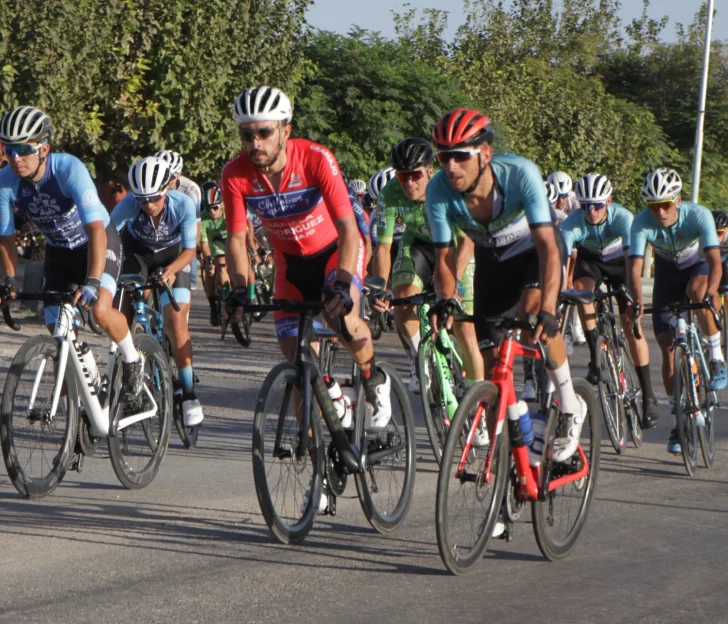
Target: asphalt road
193, 547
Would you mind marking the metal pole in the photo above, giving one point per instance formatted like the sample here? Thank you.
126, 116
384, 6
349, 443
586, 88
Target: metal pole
698, 155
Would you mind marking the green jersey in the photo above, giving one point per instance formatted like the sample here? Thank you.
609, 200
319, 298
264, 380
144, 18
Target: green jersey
214, 232
395, 209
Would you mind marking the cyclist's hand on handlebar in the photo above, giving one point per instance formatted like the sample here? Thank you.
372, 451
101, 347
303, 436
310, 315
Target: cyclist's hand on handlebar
88, 294
338, 299
441, 313
636, 307
235, 303
168, 276
713, 300
381, 303
8, 289
547, 328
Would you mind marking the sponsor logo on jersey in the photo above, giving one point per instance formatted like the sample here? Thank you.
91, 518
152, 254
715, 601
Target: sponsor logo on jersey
111, 255
328, 156
295, 181
258, 186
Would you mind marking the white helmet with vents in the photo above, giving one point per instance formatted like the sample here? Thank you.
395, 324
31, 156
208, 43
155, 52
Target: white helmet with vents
149, 176
551, 191
358, 186
262, 104
173, 159
378, 180
562, 181
25, 124
593, 187
663, 184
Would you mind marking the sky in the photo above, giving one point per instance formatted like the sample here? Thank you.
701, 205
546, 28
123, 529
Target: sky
340, 15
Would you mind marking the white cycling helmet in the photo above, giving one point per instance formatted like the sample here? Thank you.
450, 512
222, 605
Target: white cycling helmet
663, 184
593, 187
358, 186
25, 124
262, 104
378, 180
173, 159
149, 176
551, 191
562, 181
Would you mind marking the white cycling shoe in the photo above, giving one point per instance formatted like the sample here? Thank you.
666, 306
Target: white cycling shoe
191, 411
379, 415
529, 390
481, 437
564, 448
323, 501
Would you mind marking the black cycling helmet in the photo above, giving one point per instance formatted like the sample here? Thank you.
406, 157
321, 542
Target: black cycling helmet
211, 194
412, 153
721, 219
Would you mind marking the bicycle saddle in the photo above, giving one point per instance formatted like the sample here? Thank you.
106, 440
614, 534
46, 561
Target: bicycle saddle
574, 297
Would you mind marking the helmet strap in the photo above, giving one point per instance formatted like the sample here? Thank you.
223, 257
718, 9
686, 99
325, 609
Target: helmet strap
41, 160
481, 171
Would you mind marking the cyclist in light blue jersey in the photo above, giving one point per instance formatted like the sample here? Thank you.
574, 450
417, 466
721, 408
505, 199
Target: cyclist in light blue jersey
597, 239
500, 202
677, 230
55, 193
159, 230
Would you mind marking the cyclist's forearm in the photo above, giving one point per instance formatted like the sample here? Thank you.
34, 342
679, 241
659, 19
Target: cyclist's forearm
349, 243
96, 248
444, 279
715, 270
383, 261
8, 254
463, 253
634, 274
187, 256
237, 260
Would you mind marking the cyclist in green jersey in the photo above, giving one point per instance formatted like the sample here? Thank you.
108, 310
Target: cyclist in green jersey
402, 201
213, 236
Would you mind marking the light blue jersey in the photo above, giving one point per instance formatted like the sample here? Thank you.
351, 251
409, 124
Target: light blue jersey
519, 203
678, 244
59, 205
178, 222
604, 242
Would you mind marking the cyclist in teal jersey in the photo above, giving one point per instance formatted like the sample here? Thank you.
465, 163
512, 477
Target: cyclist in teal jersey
677, 230
500, 202
597, 241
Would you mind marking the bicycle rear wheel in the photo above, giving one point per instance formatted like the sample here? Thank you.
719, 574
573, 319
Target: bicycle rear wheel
187, 435
137, 450
610, 395
708, 405
633, 399
468, 502
724, 324
385, 487
437, 417
37, 448
687, 430
288, 484
560, 517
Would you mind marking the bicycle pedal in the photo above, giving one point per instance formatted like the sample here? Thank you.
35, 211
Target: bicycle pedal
77, 462
330, 506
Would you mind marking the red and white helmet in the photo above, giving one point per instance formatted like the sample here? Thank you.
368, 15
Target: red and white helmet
462, 128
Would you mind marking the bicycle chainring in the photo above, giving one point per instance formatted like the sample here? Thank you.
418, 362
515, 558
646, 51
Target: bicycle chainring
514, 504
335, 474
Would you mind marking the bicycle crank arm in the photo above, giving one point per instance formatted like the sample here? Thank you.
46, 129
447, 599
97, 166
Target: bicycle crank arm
377, 455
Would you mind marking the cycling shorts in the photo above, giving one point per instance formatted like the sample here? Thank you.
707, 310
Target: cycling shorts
302, 278
724, 279
138, 260
670, 286
63, 267
415, 265
613, 273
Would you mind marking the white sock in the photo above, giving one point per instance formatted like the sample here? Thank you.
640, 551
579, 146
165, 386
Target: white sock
716, 353
471, 382
128, 350
561, 378
413, 342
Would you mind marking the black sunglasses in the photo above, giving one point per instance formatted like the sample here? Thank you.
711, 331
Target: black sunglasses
248, 135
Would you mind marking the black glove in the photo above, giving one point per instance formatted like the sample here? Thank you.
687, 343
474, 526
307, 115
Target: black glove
443, 308
549, 324
342, 290
8, 288
90, 292
238, 298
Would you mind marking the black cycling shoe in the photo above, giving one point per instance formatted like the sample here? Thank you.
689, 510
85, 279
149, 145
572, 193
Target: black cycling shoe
215, 314
649, 413
132, 378
593, 375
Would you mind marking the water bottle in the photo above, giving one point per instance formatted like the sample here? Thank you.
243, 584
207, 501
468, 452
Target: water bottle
524, 417
337, 398
538, 428
350, 400
87, 359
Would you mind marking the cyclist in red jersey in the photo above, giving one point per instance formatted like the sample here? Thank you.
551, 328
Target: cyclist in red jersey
296, 188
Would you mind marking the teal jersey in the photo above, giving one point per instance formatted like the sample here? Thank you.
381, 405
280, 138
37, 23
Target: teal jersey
605, 241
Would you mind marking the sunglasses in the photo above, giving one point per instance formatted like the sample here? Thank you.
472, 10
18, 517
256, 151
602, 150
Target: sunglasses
663, 206
214, 207
18, 150
248, 135
149, 199
414, 175
589, 206
459, 156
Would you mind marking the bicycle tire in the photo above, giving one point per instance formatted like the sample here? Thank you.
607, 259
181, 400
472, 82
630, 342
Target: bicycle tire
706, 433
609, 395
375, 325
685, 423
137, 451
241, 330
284, 518
460, 554
37, 484
384, 513
187, 435
724, 331
433, 408
552, 547
633, 406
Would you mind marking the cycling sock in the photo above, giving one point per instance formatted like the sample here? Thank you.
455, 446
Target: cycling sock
251, 291
592, 335
371, 376
716, 353
471, 382
129, 352
187, 379
413, 342
561, 378
643, 373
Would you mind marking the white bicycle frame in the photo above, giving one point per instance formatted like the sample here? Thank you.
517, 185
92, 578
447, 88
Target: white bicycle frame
98, 414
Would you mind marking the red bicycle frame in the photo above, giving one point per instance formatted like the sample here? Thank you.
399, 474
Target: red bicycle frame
529, 477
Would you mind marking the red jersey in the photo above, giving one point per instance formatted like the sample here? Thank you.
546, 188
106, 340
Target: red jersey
300, 217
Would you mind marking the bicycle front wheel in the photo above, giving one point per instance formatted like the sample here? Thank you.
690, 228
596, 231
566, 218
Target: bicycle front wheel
385, 487
241, 330
36, 445
560, 516
288, 482
708, 405
137, 450
633, 398
433, 403
682, 392
610, 395
469, 500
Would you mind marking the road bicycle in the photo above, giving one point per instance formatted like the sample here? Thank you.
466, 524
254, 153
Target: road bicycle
289, 458
53, 382
148, 319
265, 274
695, 402
476, 484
